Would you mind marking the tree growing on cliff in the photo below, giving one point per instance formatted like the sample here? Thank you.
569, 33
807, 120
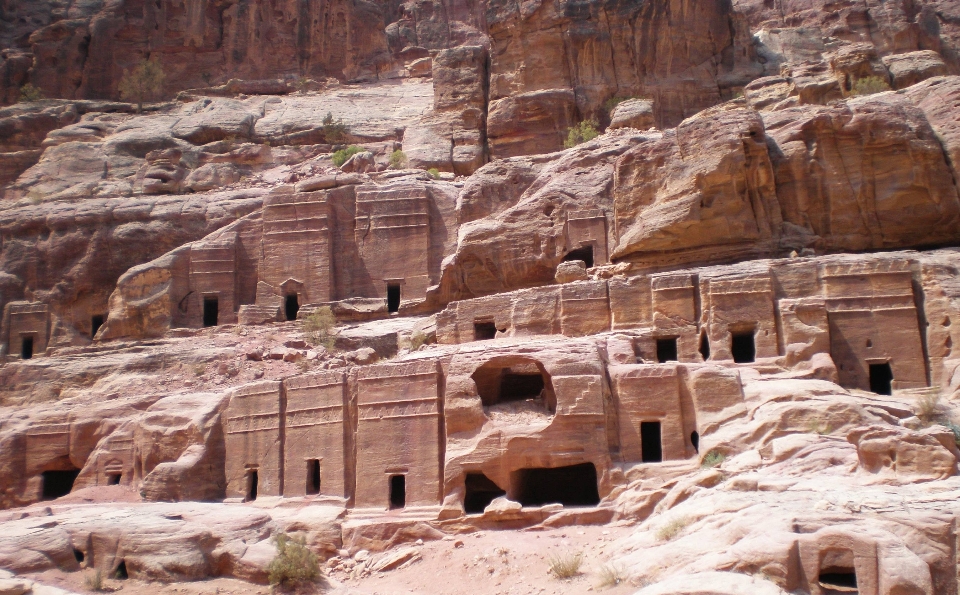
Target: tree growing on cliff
143, 83
581, 133
29, 93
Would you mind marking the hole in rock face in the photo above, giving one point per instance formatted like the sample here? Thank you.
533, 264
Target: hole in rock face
26, 347
78, 556
585, 254
695, 440
313, 476
574, 485
121, 572
838, 581
95, 323
291, 306
881, 379
58, 483
704, 347
253, 481
524, 382
393, 297
667, 350
398, 491
480, 492
743, 347
211, 310
483, 331
520, 387
651, 447
113, 479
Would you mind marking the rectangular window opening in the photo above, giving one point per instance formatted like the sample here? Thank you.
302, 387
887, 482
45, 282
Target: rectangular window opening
483, 331
253, 481
743, 348
881, 379
26, 347
667, 350
95, 323
573, 485
398, 491
211, 310
393, 297
585, 254
650, 443
313, 477
113, 479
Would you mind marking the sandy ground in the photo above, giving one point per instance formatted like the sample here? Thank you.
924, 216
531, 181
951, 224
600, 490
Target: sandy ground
482, 563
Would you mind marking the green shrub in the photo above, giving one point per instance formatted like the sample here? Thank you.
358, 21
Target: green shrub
869, 85
333, 132
398, 159
340, 157
294, 564
143, 83
434, 173
30, 93
953, 428
581, 133
713, 459
565, 566
319, 326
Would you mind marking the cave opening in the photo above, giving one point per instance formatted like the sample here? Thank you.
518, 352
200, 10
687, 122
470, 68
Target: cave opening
704, 346
743, 347
479, 493
651, 447
393, 297
881, 379
26, 347
313, 477
667, 350
291, 306
585, 254
96, 321
398, 491
838, 581
113, 479
253, 484
572, 485
211, 310
483, 331
57, 484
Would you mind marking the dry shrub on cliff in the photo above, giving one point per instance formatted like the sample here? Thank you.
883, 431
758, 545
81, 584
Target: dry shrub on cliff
565, 566
333, 132
671, 529
869, 85
398, 159
581, 133
712, 459
294, 564
319, 325
30, 93
610, 575
94, 581
928, 407
143, 83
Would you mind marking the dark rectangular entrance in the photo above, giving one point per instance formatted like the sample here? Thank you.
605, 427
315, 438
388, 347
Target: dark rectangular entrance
398, 491
484, 330
211, 310
313, 477
253, 484
881, 379
26, 347
650, 442
667, 350
575, 485
585, 254
743, 348
291, 306
58, 483
393, 297
95, 323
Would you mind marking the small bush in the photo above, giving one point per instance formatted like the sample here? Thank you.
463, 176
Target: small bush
612, 103
672, 528
869, 85
398, 159
713, 459
953, 428
294, 564
581, 133
333, 132
564, 566
199, 369
610, 575
30, 93
319, 325
928, 407
143, 83
94, 581
417, 340
340, 157
434, 173
815, 426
